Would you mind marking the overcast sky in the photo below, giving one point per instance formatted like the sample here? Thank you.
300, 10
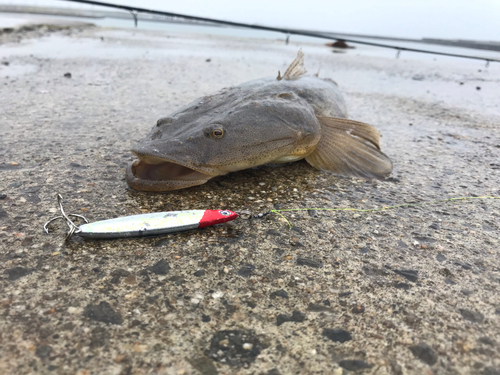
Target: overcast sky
478, 19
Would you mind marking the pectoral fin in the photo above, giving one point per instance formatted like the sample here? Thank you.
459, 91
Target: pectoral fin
349, 148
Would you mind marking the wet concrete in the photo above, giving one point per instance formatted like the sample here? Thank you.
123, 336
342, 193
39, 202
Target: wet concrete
408, 291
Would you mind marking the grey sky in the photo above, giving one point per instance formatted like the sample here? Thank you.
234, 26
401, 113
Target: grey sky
408, 18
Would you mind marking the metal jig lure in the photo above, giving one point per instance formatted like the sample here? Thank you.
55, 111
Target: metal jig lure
142, 225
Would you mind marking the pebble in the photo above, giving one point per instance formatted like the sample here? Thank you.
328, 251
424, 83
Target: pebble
160, 268
411, 318
411, 275
358, 309
318, 308
310, 262
364, 250
296, 316
18, 272
388, 324
279, 293
200, 273
440, 258
298, 230
43, 351
354, 364
337, 335
425, 353
486, 340
205, 318
246, 270
472, 316
102, 313
67, 75
312, 213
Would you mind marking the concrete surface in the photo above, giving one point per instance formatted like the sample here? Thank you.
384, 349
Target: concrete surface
407, 291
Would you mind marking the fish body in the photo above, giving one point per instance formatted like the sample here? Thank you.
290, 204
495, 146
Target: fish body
269, 120
155, 223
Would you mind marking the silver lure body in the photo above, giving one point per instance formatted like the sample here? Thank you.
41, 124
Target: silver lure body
143, 225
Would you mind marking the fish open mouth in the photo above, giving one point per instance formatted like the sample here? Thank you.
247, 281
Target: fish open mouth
151, 173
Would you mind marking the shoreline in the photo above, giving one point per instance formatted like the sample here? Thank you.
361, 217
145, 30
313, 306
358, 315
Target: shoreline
101, 14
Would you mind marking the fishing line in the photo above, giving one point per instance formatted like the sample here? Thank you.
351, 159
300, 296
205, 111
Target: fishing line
385, 208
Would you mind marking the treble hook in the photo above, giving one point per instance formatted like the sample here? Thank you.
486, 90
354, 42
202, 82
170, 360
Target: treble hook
73, 228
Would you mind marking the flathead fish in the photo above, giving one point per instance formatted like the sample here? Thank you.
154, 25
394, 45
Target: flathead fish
269, 120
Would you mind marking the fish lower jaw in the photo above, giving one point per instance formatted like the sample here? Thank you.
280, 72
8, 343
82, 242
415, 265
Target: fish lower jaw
164, 176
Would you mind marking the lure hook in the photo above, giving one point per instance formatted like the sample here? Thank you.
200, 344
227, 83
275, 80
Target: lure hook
246, 215
73, 228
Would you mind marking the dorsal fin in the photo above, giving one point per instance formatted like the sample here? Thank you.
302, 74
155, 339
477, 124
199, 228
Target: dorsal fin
296, 68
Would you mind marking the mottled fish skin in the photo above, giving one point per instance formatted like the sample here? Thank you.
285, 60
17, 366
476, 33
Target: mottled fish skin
258, 122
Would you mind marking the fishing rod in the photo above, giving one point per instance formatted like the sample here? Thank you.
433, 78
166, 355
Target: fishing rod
136, 10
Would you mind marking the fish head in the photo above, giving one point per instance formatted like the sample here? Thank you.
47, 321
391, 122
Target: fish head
222, 133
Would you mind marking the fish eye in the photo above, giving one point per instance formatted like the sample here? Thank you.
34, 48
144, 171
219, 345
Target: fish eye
225, 213
218, 133
214, 131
